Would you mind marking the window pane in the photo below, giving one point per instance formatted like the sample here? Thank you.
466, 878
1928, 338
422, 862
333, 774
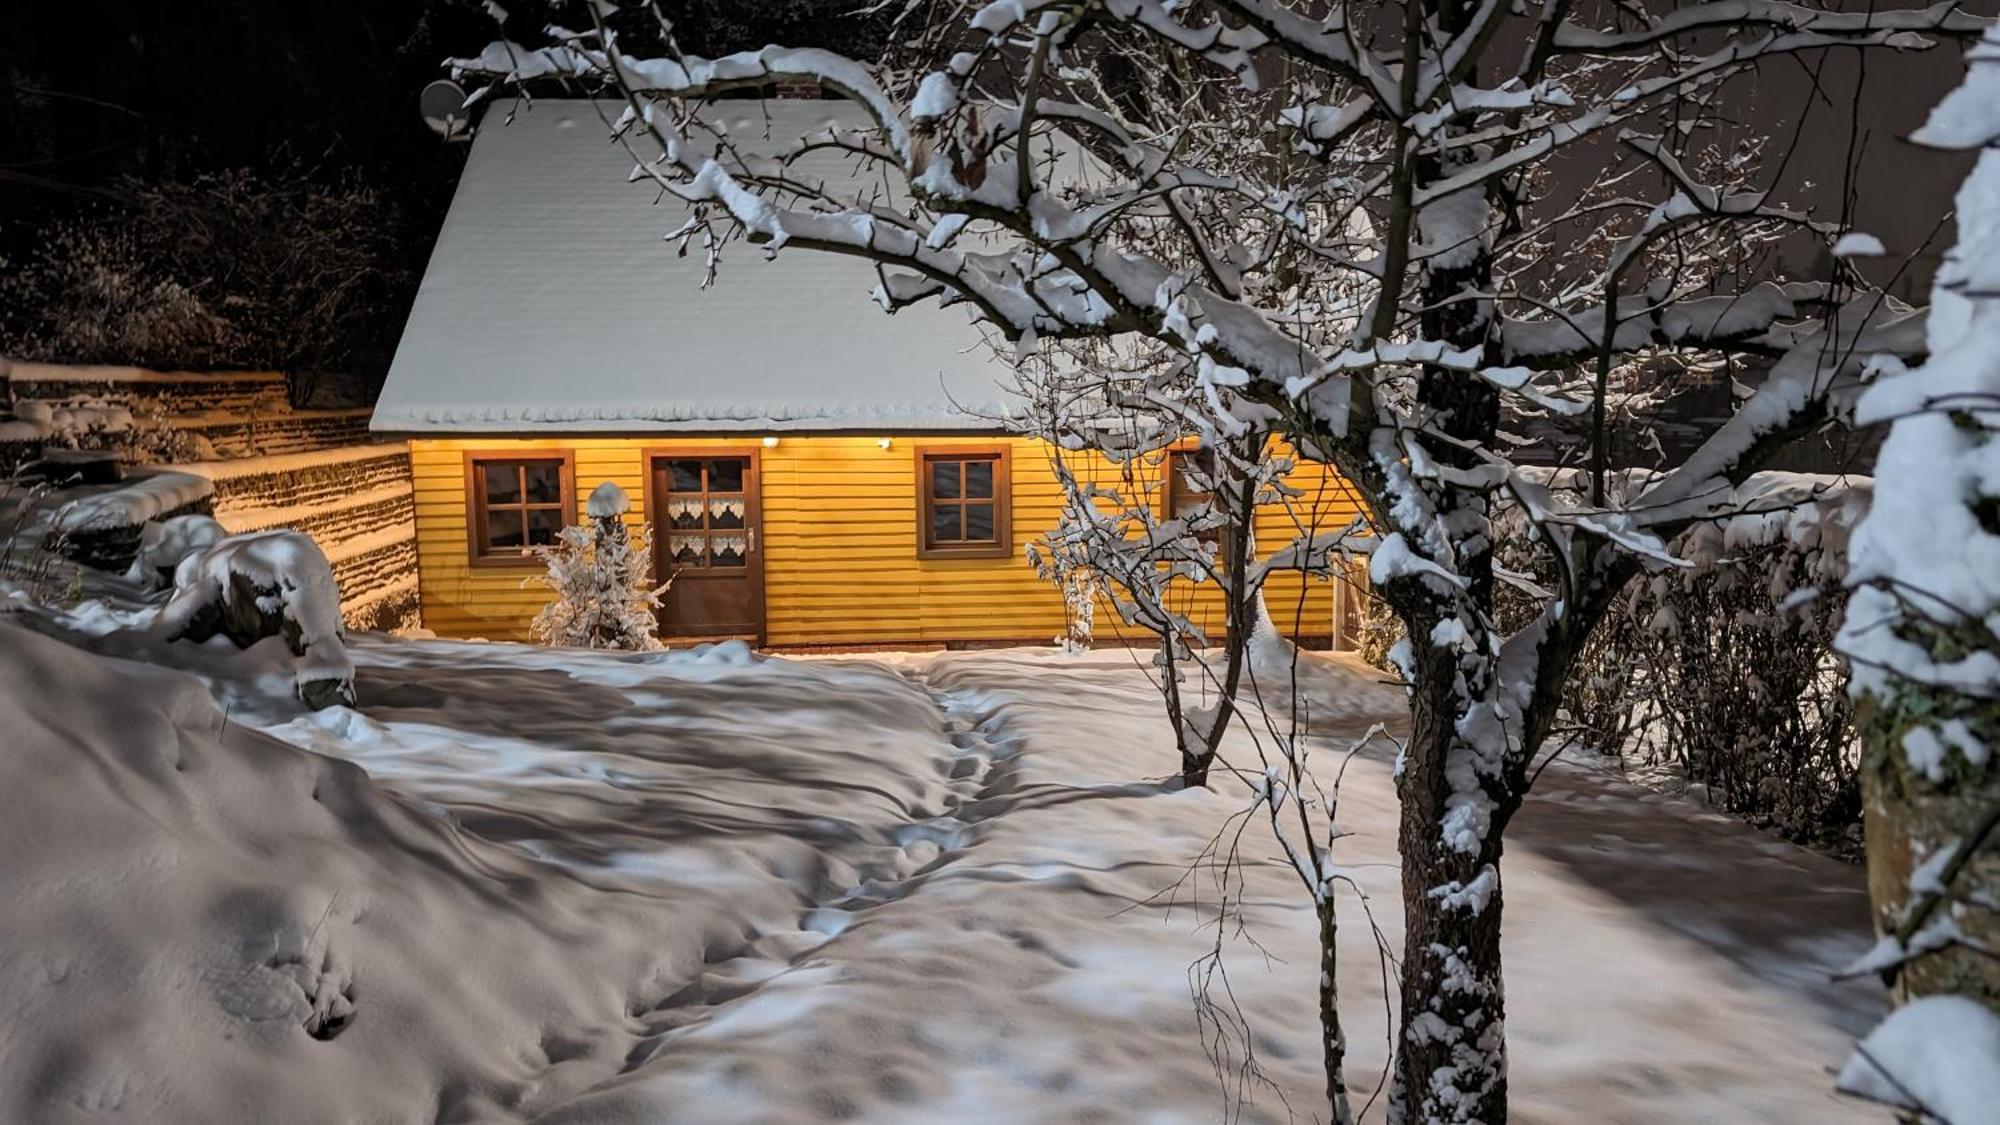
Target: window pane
726, 513
944, 480
684, 514
689, 550
979, 479
725, 476
686, 474
544, 482
728, 550
503, 482
945, 524
543, 524
503, 530
979, 522
1187, 503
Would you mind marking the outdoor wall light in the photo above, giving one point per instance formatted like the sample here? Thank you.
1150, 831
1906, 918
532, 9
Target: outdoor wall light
884, 443
771, 442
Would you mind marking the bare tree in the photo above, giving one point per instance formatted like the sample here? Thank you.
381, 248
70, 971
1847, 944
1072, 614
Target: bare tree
1217, 224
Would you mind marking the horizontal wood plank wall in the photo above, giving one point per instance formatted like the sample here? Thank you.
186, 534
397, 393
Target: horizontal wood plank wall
839, 543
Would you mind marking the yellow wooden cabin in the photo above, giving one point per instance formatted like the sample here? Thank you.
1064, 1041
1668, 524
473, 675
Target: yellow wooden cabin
818, 473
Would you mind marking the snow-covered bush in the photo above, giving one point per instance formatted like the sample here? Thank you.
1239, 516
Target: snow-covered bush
1723, 669
164, 543
1726, 670
1079, 591
267, 584
601, 574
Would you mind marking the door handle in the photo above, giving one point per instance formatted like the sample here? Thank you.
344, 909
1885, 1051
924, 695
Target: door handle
752, 537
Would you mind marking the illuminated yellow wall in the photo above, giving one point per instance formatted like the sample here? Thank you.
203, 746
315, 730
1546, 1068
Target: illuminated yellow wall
839, 541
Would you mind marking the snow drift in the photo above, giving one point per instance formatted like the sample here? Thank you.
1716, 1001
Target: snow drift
204, 923
709, 886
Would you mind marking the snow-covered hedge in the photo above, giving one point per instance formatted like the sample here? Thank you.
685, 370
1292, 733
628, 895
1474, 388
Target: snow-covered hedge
1724, 668
267, 584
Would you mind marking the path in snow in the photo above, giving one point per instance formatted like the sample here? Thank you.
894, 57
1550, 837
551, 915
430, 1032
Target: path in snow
1020, 946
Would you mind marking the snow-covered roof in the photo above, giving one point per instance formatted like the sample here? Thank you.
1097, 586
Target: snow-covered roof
553, 303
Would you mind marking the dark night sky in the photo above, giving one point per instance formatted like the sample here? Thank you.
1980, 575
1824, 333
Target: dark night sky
94, 90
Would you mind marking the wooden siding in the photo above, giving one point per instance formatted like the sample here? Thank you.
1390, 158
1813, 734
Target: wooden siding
839, 544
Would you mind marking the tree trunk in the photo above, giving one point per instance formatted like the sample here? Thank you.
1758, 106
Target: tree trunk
1194, 768
1451, 1062
1911, 816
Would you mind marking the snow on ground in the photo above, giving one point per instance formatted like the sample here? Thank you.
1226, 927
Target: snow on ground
712, 886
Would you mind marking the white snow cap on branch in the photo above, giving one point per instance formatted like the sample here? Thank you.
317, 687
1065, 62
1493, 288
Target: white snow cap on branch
1856, 244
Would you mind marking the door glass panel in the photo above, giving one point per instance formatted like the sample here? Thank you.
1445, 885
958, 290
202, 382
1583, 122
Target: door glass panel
689, 550
725, 513
979, 478
944, 480
686, 475
544, 483
683, 514
725, 476
503, 529
728, 550
503, 483
945, 527
543, 526
979, 521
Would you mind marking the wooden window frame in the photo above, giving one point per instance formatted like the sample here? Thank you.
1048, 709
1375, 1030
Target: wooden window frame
477, 552
1170, 493
1170, 497
1002, 457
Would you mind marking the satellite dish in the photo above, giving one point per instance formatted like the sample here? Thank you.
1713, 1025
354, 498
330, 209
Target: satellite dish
443, 106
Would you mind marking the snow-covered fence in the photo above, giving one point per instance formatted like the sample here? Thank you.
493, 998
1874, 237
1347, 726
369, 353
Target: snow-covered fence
148, 392
356, 502
156, 416
280, 432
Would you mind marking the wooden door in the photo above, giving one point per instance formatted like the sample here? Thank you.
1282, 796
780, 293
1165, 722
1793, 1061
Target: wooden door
706, 530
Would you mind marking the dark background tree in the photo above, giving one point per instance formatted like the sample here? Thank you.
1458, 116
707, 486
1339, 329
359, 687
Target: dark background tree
129, 128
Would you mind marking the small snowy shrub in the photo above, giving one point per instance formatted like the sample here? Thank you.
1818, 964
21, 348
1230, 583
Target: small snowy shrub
601, 575
267, 584
29, 562
1079, 591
